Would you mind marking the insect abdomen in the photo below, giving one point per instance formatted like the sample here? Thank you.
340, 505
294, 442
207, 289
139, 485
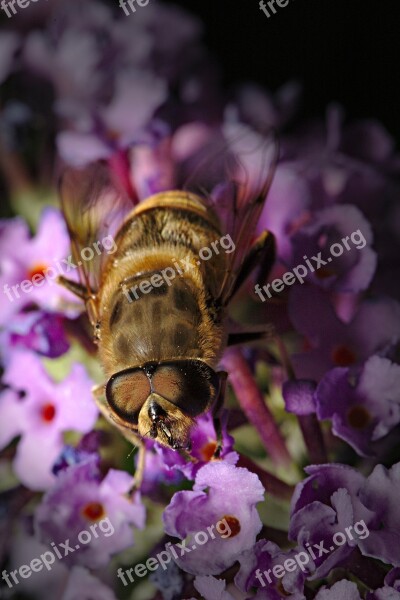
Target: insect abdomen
143, 321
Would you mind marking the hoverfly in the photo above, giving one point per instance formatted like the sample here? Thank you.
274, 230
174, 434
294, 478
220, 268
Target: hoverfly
160, 350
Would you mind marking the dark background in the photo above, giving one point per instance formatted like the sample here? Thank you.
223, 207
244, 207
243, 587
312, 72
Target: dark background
341, 50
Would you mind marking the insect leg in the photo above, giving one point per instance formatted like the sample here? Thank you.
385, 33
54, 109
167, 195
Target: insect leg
74, 287
99, 396
246, 337
141, 461
261, 254
218, 404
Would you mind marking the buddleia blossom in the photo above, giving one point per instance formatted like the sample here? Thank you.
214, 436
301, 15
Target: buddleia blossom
25, 261
390, 589
324, 505
107, 133
109, 93
348, 513
344, 267
82, 582
340, 589
81, 500
379, 494
212, 588
223, 499
363, 404
35, 330
40, 410
164, 466
258, 565
56, 581
333, 341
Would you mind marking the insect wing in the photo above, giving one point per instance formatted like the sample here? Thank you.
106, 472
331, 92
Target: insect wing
235, 180
94, 208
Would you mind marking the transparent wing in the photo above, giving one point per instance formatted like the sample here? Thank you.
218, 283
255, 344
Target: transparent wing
233, 173
94, 207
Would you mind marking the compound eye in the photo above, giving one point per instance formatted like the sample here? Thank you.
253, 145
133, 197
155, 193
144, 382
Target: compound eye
190, 385
126, 393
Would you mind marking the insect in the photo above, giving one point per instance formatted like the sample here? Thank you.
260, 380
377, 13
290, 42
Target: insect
160, 346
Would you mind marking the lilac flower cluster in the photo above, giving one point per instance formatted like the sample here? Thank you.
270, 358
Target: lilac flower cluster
142, 95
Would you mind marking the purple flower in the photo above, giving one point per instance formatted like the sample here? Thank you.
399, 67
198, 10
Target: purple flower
259, 565
368, 140
373, 327
323, 506
101, 67
81, 584
161, 468
223, 497
170, 581
166, 160
69, 53
336, 505
341, 590
166, 466
288, 207
259, 108
43, 333
81, 502
88, 446
46, 584
116, 126
364, 406
9, 42
41, 413
175, 36
24, 260
340, 161
56, 581
380, 494
391, 589
152, 164
348, 266
299, 396
211, 588
204, 443
393, 579
347, 166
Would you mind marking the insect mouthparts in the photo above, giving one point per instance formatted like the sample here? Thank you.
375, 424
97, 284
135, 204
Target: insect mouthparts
155, 411
153, 431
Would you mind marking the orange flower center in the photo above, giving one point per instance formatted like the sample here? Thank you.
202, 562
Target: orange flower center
279, 587
324, 273
233, 524
94, 511
208, 450
38, 269
113, 134
342, 356
48, 412
358, 417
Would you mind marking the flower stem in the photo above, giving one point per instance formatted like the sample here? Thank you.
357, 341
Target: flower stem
309, 424
313, 439
254, 407
120, 168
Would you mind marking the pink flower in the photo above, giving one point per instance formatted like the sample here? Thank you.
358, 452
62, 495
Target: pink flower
40, 410
25, 259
